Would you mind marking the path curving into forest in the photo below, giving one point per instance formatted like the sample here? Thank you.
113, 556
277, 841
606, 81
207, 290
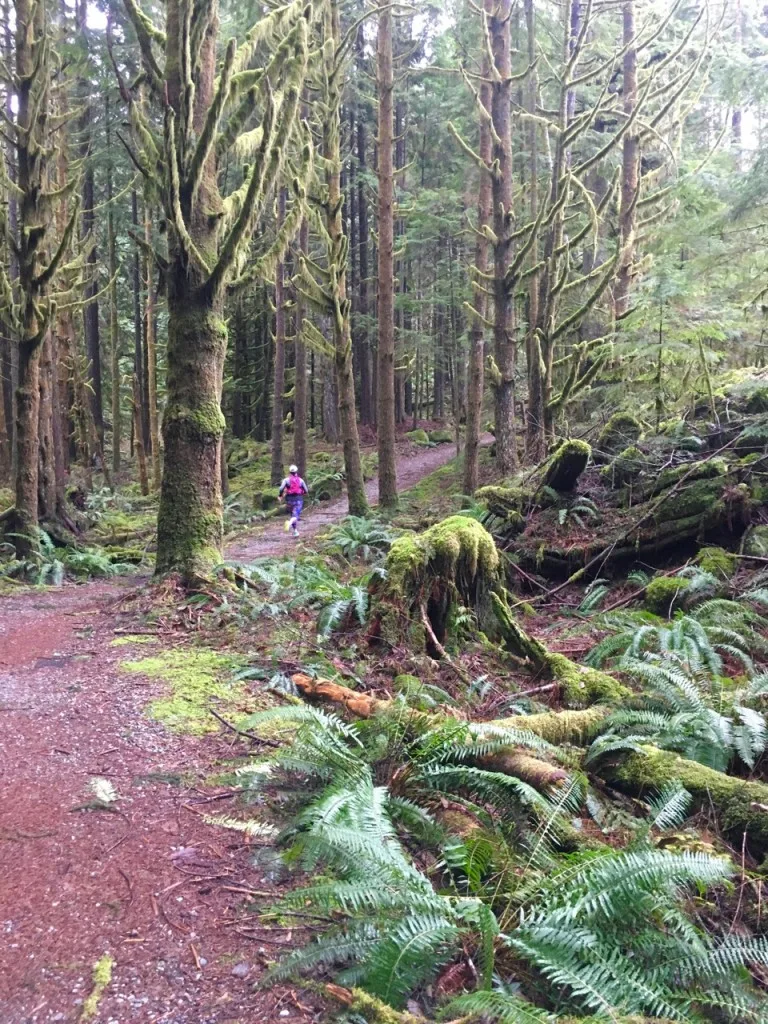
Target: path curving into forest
151, 884
273, 540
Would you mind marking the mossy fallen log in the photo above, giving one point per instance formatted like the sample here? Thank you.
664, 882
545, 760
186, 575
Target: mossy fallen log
514, 761
369, 1008
373, 1011
690, 510
621, 430
560, 728
741, 806
624, 468
579, 684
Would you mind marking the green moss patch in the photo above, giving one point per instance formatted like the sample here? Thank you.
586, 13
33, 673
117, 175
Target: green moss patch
664, 593
125, 641
101, 976
418, 436
621, 430
198, 679
440, 436
718, 561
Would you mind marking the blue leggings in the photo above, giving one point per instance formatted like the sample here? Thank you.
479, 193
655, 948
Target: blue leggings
295, 504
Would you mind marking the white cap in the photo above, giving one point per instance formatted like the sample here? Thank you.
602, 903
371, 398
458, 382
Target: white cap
293, 469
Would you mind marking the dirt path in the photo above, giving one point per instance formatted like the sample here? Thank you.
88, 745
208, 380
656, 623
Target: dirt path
145, 885
274, 541
152, 884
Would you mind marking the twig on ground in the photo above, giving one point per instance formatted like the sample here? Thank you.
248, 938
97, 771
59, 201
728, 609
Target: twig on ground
241, 732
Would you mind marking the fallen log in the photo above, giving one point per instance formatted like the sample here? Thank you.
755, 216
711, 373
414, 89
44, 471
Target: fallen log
516, 762
741, 805
579, 684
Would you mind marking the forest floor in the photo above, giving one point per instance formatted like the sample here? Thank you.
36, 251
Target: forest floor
144, 879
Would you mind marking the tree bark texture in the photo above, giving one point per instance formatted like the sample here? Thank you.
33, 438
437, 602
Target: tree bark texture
535, 435
366, 397
189, 527
300, 391
386, 311
114, 333
138, 345
31, 70
88, 234
278, 412
151, 351
630, 166
340, 317
47, 502
479, 301
504, 314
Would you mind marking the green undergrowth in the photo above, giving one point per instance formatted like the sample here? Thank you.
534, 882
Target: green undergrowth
197, 679
545, 863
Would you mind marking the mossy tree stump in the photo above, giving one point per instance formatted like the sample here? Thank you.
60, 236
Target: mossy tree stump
564, 467
428, 576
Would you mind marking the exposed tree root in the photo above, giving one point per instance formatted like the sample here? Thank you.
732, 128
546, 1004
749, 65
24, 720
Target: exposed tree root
371, 1009
580, 685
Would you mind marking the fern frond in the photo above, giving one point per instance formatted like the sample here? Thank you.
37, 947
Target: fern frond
496, 1008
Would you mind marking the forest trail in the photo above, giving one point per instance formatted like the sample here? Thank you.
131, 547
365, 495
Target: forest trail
144, 882
273, 540
149, 882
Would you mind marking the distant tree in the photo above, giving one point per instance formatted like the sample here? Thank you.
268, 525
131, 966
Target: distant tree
30, 304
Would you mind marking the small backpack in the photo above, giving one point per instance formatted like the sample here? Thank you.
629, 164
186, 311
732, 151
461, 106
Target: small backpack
294, 487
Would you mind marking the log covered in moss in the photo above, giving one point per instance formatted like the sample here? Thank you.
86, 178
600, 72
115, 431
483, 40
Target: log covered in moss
621, 430
741, 806
579, 684
690, 508
624, 468
511, 761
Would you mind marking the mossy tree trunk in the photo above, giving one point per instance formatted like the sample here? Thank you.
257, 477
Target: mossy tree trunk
189, 525
47, 497
278, 391
535, 440
27, 407
28, 306
114, 327
189, 528
300, 393
149, 334
479, 302
208, 235
325, 287
503, 300
367, 412
88, 230
630, 165
386, 353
